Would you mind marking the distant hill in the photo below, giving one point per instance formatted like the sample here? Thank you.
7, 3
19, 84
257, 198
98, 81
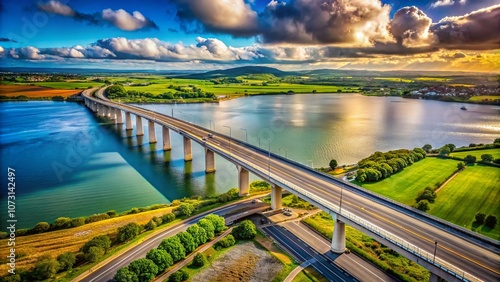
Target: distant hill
234, 72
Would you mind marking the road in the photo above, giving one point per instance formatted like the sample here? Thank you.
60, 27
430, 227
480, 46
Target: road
107, 272
303, 252
481, 260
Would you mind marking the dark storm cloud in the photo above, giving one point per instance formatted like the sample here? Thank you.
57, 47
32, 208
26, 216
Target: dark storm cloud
410, 26
3, 39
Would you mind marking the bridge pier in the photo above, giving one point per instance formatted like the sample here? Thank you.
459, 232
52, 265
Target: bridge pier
112, 114
276, 194
166, 139
119, 116
243, 181
435, 278
93, 106
138, 124
188, 154
338, 238
209, 161
151, 132
128, 121
106, 111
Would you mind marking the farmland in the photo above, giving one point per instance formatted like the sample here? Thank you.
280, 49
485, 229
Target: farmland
11, 90
477, 153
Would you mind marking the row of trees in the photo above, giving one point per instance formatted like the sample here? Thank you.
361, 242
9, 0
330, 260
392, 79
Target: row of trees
382, 165
118, 91
489, 220
171, 250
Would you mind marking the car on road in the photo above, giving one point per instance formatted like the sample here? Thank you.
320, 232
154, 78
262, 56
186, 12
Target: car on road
204, 138
254, 201
210, 135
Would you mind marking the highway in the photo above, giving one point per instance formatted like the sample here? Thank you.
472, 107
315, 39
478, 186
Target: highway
480, 260
107, 272
303, 252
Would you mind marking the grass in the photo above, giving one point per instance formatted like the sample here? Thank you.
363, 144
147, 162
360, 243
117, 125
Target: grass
478, 186
378, 254
477, 153
292, 201
481, 98
404, 186
309, 274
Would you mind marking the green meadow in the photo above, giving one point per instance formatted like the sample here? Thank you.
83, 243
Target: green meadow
478, 153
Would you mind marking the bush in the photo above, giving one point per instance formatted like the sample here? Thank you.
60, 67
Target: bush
168, 217
422, 205
112, 213
61, 223
125, 275
333, 164
151, 225
245, 230
178, 276
45, 267
128, 232
96, 217
470, 159
218, 222
427, 194
161, 258
66, 261
94, 253
101, 241
40, 227
480, 217
491, 221
185, 209
199, 260
460, 165
78, 221
199, 234
144, 268
487, 158
227, 241
208, 226
187, 241
174, 247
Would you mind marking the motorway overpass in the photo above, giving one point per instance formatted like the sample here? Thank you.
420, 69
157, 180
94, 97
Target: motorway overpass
446, 250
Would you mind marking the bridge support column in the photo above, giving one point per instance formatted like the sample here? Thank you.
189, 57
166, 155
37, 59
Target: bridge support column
166, 139
128, 121
209, 161
243, 181
188, 155
151, 132
119, 116
100, 110
138, 124
276, 192
435, 278
106, 111
338, 238
93, 106
112, 114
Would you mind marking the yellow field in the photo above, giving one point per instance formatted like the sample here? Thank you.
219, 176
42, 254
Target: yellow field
10, 90
480, 98
54, 243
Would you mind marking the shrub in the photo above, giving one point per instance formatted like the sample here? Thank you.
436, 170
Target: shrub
491, 221
94, 253
144, 268
128, 232
199, 234
245, 230
178, 276
199, 260
66, 261
45, 267
61, 223
78, 221
151, 225
187, 241
470, 159
422, 205
227, 241
101, 241
174, 247
112, 213
161, 258
487, 157
125, 275
427, 194
217, 221
40, 227
168, 217
208, 226
96, 217
480, 217
185, 209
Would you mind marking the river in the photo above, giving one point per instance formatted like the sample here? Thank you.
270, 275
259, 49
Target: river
70, 163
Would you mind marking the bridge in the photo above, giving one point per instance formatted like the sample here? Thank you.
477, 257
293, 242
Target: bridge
446, 250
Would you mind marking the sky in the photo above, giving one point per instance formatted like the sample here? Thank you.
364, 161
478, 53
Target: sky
447, 35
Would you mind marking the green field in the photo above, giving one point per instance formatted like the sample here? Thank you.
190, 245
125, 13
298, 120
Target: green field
394, 79
79, 84
475, 189
404, 186
477, 153
480, 98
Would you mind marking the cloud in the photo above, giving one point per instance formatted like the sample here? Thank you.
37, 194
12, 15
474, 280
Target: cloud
3, 39
125, 21
119, 18
28, 53
410, 26
441, 3
1, 49
478, 30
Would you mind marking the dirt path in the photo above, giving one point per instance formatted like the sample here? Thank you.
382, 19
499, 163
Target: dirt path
448, 180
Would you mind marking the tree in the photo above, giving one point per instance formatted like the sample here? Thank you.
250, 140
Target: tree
470, 159
246, 230
144, 268
491, 221
426, 194
150, 225
161, 258
218, 222
66, 261
487, 157
174, 247
422, 205
125, 275
45, 267
187, 241
333, 164
497, 140
480, 217
102, 241
427, 148
94, 253
444, 151
451, 146
61, 223
178, 276
208, 226
127, 232
185, 209
199, 260
40, 227
227, 241
460, 165
199, 234
168, 217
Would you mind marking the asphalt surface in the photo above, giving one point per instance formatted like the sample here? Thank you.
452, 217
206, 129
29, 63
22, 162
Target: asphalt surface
477, 259
303, 252
107, 272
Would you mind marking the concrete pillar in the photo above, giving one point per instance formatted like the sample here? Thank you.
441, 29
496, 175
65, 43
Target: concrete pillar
434, 278
100, 110
112, 113
138, 126
209, 161
338, 238
128, 121
188, 155
166, 139
276, 192
106, 111
93, 106
243, 181
151, 132
119, 116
